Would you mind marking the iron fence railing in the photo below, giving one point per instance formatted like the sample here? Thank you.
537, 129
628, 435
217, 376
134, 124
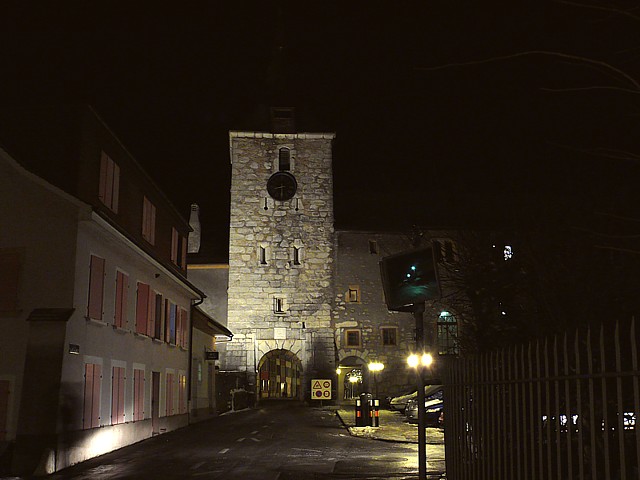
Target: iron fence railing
559, 409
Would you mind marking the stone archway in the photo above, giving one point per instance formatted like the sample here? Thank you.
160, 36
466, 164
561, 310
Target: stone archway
352, 378
280, 375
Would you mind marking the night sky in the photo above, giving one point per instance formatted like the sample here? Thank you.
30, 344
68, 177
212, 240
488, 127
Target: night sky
446, 112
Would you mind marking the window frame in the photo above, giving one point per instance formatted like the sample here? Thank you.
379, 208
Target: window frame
148, 220
353, 289
95, 297
109, 183
347, 332
121, 299
394, 329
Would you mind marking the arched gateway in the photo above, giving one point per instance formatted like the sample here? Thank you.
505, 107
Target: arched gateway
280, 374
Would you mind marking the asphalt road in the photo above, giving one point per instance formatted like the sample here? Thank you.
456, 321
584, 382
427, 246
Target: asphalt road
284, 441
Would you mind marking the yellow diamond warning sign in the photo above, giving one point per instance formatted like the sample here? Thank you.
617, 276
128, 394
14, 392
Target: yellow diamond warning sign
320, 389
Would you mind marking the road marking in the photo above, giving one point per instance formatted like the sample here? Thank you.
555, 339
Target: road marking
197, 465
255, 439
240, 439
254, 432
223, 451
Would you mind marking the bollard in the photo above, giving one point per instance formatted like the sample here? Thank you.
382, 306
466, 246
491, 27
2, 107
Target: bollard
376, 408
366, 403
359, 422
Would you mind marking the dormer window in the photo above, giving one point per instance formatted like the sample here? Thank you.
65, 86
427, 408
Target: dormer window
109, 183
284, 159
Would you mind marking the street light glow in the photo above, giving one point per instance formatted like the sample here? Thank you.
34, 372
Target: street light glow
376, 366
414, 360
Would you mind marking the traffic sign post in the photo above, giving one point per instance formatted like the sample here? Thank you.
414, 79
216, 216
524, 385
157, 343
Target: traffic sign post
321, 389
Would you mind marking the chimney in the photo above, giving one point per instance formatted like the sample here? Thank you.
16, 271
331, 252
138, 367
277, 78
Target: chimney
194, 235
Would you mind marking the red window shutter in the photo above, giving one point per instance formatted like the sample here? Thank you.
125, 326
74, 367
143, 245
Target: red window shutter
142, 308
122, 288
5, 391
97, 384
174, 245
92, 383
138, 395
116, 188
10, 263
169, 402
183, 255
96, 284
117, 396
102, 182
151, 319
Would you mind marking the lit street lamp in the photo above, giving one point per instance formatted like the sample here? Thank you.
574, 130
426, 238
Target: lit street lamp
376, 367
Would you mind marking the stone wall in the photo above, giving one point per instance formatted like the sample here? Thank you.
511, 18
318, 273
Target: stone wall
259, 222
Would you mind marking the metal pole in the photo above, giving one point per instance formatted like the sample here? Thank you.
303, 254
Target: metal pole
418, 314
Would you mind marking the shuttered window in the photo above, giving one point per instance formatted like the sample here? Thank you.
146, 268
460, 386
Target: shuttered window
138, 394
117, 395
148, 221
122, 291
142, 308
109, 183
169, 392
92, 389
96, 288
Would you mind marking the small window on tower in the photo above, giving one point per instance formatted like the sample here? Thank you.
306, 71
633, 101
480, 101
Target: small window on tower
296, 256
373, 247
284, 159
262, 254
353, 294
352, 338
278, 305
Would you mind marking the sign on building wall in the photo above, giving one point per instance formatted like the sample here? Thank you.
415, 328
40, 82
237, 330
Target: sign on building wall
321, 389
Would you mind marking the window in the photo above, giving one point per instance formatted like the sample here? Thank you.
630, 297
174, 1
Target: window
109, 183
10, 266
353, 294
278, 305
142, 308
182, 394
447, 334
169, 393
296, 255
92, 389
389, 336
262, 255
373, 247
182, 328
352, 338
148, 221
159, 311
284, 159
138, 394
444, 251
96, 288
170, 322
122, 289
178, 248
117, 395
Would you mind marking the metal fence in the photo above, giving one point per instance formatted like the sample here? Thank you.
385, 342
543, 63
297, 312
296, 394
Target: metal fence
562, 408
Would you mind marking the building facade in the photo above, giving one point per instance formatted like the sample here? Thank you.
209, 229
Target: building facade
95, 294
281, 261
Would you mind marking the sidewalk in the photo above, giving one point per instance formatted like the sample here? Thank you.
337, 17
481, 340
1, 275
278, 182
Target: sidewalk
393, 427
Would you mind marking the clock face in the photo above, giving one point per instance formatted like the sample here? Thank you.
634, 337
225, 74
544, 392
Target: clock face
282, 186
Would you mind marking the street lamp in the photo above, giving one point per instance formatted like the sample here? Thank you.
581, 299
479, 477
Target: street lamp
418, 362
376, 367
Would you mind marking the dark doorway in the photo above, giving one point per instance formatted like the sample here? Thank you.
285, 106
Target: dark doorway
155, 402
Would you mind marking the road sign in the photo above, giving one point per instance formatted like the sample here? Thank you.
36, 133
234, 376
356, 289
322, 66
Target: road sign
320, 389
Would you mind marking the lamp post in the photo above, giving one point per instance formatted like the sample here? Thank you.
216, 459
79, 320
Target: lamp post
420, 361
376, 367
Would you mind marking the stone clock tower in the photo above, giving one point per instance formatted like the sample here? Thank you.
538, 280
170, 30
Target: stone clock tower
281, 257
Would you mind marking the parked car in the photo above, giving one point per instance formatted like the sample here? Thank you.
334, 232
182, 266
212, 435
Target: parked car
433, 405
400, 403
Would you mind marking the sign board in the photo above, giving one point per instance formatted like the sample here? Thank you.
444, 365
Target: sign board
211, 355
320, 389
